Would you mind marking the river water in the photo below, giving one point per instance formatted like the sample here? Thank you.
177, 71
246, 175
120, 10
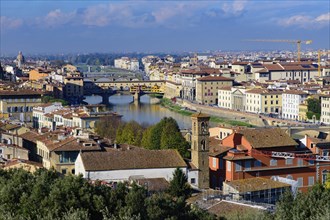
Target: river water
147, 111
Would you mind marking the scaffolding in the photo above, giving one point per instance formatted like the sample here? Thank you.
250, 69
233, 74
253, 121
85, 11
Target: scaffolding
305, 156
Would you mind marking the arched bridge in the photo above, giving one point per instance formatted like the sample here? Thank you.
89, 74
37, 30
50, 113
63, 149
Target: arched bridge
138, 88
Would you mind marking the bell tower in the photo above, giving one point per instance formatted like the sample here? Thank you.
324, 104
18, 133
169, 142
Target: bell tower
200, 148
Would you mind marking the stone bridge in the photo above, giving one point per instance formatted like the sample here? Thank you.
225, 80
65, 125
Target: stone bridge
137, 88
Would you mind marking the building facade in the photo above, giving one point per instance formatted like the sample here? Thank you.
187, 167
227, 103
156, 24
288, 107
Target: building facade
207, 88
291, 100
325, 109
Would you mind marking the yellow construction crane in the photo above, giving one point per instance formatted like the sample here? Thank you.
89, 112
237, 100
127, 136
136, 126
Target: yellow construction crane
319, 52
298, 42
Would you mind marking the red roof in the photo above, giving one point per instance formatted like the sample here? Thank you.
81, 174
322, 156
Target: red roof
214, 78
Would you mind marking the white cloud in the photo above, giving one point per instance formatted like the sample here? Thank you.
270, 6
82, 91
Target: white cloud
235, 8
9, 23
304, 21
323, 18
57, 18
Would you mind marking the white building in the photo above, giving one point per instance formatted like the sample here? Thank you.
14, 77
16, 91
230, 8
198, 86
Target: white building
291, 99
127, 63
119, 165
325, 109
224, 97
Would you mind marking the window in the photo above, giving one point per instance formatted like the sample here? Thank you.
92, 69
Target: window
228, 164
221, 163
273, 162
214, 162
288, 161
300, 181
257, 163
63, 171
193, 180
310, 180
300, 162
73, 171
238, 166
248, 165
311, 162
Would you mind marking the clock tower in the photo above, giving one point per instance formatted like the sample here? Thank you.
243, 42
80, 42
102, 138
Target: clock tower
200, 148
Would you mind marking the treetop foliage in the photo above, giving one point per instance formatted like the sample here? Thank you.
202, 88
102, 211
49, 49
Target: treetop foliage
46, 195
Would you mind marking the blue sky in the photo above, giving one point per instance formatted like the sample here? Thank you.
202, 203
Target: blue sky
62, 26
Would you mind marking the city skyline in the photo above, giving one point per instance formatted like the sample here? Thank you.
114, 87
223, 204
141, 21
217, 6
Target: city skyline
143, 26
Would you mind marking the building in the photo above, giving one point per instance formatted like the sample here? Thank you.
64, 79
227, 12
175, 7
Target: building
259, 190
264, 101
172, 89
198, 175
121, 165
53, 114
291, 100
39, 73
188, 78
10, 151
325, 109
73, 87
267, 153
207, 88
19, 103
303, 72
59, 151
127, 63
26, 165
224, 97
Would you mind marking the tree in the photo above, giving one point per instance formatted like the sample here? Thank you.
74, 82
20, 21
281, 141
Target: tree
314, 108
179, 186
165, 135
107, 127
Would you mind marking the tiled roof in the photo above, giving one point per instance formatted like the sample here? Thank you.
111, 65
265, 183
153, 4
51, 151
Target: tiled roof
264, 91
273, 67
255, 184
120, 160
30, 136
216, 148
214, 78
267, 138
295, 92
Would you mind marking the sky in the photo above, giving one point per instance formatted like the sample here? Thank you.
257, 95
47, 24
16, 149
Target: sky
76, 26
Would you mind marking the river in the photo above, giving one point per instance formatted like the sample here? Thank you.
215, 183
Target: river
147, 111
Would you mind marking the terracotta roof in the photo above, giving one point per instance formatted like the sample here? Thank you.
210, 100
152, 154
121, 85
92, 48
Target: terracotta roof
153, 184
264, 91
214, 78
255, 184
273, 67
267, 138
119, 160
17, 161
238, 157
30, 136
228, 88
20, 92
295, 92
216, 148
72, 144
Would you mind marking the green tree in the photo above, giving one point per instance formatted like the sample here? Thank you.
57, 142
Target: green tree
107, 127
284, 206
314, 108
179, 186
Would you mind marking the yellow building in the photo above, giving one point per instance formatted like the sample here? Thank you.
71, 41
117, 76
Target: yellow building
18, 104
264, 101
207, 88
172, 89
73, 86
37, 74
303, 109
60, 152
